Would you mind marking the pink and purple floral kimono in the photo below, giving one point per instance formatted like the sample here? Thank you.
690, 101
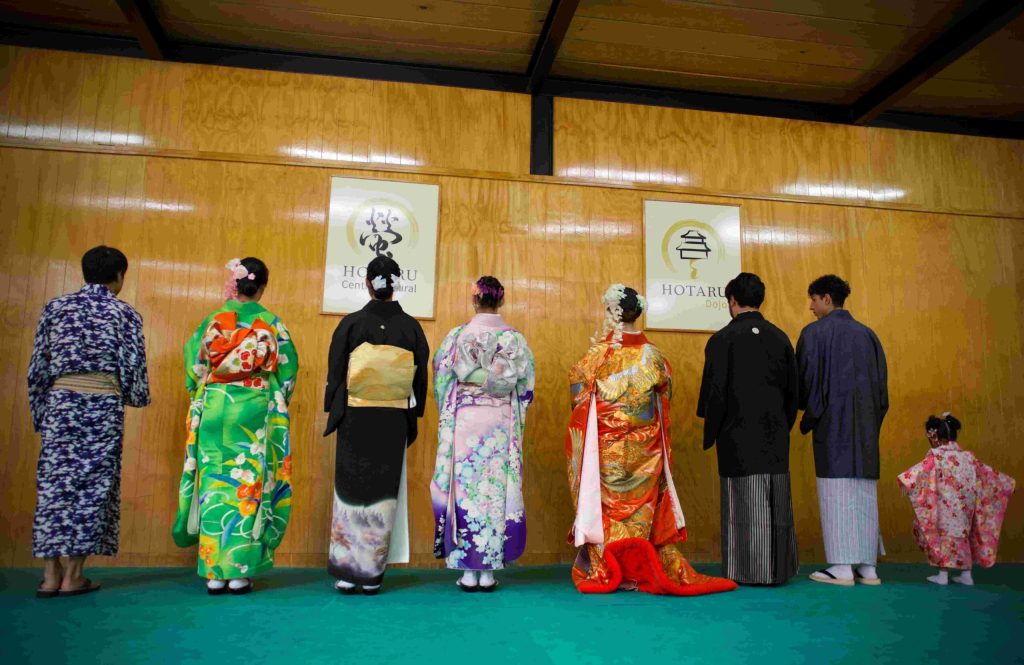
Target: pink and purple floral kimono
959, 505
483, 381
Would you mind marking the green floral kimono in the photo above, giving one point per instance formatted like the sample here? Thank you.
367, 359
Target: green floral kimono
240, 368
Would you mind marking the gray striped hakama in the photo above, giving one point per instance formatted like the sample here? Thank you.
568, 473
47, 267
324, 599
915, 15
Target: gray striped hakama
758, 538
849, 520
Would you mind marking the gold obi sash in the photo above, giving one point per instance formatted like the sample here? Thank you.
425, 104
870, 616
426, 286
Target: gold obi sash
90, 383
380, 375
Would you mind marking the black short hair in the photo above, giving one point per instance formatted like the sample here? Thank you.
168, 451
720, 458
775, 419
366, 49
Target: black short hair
100, 265
947, 426
383, 266
260, 273
630, 304
831, 285
747, 288
490, 292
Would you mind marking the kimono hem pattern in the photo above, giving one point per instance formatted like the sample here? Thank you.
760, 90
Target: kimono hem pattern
628, 517
235, 495
78, 478
959, 504
483, 382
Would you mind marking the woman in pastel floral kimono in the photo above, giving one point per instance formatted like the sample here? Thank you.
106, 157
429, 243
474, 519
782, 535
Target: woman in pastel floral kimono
959, 504
628, 518
483, 381
236, 496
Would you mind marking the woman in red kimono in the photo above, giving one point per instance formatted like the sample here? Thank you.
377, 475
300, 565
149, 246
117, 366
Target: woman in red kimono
628, 517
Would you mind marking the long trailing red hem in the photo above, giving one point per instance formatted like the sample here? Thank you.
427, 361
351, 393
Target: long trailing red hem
636, 559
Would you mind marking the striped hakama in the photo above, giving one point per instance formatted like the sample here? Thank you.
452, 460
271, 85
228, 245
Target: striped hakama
849, 520
758, 537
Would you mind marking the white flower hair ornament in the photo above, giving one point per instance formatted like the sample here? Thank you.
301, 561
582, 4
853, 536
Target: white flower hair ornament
394, 280
612, 301
379, 283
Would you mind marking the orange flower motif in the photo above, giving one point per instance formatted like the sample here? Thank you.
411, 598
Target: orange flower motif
210, 576
206, 550
209, 561
286, 469
248, 507
254, 491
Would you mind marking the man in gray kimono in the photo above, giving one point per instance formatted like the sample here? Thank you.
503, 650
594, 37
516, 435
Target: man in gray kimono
844, 397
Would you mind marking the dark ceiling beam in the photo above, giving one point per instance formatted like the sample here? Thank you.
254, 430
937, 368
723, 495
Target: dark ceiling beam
146, 27
1010, 128
79, 42
556, 26
348, 67
692, 99
986, 18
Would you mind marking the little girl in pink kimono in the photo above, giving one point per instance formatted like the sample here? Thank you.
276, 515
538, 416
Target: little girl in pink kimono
959, 504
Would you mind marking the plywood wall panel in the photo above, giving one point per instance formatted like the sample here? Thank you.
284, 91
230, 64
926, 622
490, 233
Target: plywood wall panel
88, 100
768, 157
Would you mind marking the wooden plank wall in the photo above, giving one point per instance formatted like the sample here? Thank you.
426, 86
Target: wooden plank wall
940, 286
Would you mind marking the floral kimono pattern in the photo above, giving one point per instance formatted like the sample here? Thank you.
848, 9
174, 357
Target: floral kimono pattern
483, 382
628, 517
959, 504
235, 492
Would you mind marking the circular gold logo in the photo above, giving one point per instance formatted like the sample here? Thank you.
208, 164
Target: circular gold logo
689, 243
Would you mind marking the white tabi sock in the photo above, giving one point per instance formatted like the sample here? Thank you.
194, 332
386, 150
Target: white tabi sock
841, 571
487, 578
468, 578
964, 578
215, 584
867, 571
941, 578
239, 583
342, 584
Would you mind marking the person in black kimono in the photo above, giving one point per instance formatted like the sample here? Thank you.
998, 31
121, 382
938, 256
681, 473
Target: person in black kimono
844, 397
748, 400
376, 390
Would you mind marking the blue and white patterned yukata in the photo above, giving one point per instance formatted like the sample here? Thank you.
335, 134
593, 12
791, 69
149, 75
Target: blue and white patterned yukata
78, 479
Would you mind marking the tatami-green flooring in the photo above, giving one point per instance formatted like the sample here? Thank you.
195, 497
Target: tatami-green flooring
163, 615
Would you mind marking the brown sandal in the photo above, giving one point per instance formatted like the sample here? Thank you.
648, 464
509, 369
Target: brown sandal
88, 587
46, 593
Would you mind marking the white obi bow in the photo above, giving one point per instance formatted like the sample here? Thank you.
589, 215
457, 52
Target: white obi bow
497, 360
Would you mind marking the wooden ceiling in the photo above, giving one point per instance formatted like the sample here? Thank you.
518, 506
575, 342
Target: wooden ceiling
824, 54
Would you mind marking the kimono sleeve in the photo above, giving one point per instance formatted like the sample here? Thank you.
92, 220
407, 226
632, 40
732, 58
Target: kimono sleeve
791, 398
664, 385
444, 372
421, 356
133, 375
714, 386
526, 380
883, 379
39, 379
197, 366
287, 360
812, 389
336, 393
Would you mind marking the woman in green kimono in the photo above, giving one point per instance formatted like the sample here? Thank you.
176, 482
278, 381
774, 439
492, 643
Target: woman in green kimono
235, 496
